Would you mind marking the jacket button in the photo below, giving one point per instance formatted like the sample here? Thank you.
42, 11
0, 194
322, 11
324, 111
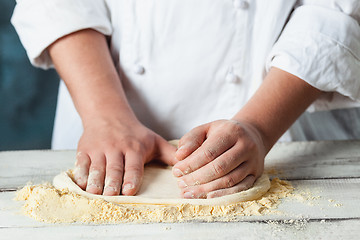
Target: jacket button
138, 69
241, 4
232, 78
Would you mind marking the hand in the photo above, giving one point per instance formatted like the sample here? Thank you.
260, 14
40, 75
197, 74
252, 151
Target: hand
114, 146
219, 158
111, 156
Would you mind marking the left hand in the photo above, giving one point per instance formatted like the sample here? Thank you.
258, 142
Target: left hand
219, 158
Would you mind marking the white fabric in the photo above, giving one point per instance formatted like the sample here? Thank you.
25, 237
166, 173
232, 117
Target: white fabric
185, 62
324, 53
40, 23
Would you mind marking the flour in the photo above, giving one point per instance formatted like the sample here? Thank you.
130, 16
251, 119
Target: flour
47, 204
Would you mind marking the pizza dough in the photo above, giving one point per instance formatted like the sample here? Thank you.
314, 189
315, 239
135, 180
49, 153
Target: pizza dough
159, 187
158, 200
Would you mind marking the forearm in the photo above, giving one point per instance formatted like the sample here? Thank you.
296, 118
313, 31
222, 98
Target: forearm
83, 61
276, 105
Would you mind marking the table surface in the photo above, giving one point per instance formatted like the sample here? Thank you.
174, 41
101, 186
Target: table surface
330, 170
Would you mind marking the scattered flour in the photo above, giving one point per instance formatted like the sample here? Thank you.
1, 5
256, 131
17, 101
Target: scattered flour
48, 204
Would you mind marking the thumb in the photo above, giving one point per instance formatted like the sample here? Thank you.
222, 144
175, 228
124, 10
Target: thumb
166, 151
191, 141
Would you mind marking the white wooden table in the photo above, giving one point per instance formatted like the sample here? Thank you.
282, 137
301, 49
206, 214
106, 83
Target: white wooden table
330, 170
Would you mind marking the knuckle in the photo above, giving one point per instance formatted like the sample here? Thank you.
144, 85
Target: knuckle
194, 143
95, 170
209, 154
98, 160
230, 181
113, 178
95, 173
125, 143
195, 135
135, 169
116, 167
250, 146
218, 169
97, 166
116, 170
248, 184
135, 146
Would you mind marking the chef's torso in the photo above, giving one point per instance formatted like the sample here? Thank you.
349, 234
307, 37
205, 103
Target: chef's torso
184, 63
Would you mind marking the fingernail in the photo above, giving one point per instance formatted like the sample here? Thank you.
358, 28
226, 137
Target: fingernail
217, 193
110, 190
110, 186
92, 185
188, 195
210, 195
76, 170
182, 147
128, 187
177, 172
182, 184
81, 180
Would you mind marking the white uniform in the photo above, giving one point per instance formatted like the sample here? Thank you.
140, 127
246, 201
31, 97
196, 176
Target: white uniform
184, 62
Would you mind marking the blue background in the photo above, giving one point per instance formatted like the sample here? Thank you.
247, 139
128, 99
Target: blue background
27, 95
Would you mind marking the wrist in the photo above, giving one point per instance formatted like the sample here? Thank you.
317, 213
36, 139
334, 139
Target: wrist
256, 130
109, 115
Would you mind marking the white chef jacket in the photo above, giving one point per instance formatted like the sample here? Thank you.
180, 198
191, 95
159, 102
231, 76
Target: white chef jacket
184, 62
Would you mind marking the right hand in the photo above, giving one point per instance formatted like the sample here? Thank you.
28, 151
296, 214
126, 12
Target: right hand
111, 156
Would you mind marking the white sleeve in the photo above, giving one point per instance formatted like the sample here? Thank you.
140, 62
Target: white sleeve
39, 23
321, 45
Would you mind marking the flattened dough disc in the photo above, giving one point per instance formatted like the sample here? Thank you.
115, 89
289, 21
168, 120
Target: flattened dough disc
159, 187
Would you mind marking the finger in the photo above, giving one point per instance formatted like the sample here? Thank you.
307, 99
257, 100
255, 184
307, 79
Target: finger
81, 170
245, 184
227, 181
191, 141
211, 148
214, 159
114, 174
165, 151
95, 182
134, 170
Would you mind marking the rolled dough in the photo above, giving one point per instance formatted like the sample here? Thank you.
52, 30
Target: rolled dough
159, 187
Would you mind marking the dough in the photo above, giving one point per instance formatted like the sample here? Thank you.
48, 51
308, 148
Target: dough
158, 200
160, 187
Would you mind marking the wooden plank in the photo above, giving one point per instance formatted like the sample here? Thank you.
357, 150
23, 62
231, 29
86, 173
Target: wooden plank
296, 160
314, 160
323, 199
343, 229
19, 167
334, 199
337, 203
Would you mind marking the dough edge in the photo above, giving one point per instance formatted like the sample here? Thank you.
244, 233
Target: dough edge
260, 187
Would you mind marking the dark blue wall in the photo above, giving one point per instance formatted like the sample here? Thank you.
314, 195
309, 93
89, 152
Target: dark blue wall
27, 95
